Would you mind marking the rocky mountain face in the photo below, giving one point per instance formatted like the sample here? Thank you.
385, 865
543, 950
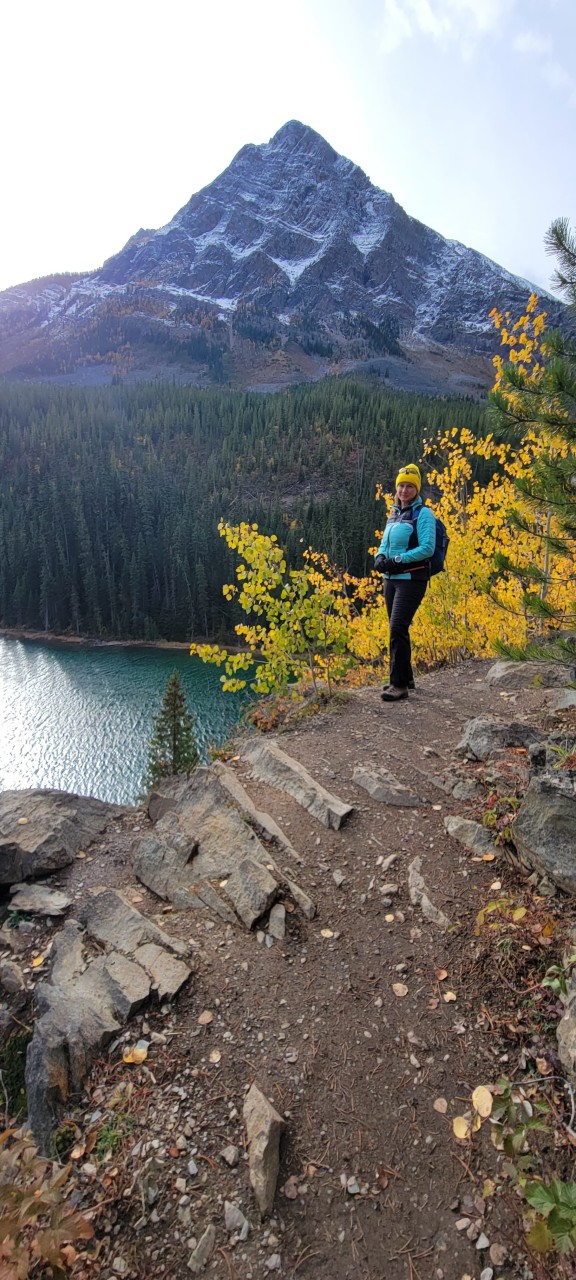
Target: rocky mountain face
289, 265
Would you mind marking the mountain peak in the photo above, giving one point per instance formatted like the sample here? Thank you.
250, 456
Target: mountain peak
296, 134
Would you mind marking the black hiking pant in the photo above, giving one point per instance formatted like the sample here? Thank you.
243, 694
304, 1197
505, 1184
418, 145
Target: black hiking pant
403, 598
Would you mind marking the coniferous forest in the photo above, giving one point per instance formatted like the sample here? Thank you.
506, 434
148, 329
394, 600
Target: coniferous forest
111, 496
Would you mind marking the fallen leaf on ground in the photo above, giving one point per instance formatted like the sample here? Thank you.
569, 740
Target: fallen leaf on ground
461, 1128
482, 1101
488, 857
80, 854
543, 1066
449, 996
37, 961
433, 1003
389, 919
291, 1188
136, 1055
496, 884
440, 1105
441, 974
327, 933
399, 989
206, 1017
215, 1057
22, 822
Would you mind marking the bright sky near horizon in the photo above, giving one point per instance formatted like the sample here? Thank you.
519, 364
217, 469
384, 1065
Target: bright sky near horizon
115, 113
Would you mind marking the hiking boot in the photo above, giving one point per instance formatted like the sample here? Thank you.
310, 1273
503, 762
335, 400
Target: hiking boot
410, 686
394, 694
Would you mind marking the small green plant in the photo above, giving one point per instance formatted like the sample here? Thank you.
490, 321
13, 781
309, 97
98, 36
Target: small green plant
37, 1225
110, 1138
499, 816
556, 978
555, 1227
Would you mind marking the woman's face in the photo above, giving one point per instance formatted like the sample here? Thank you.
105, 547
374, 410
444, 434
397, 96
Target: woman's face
406, 493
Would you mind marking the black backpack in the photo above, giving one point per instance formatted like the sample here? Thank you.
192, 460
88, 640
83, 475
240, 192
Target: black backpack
436, 563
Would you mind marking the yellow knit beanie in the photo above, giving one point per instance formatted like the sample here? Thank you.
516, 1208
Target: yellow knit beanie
409, 475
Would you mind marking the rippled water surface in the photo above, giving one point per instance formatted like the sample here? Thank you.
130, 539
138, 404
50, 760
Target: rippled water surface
79, 718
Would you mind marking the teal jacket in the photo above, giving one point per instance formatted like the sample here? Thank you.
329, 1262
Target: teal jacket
397, 534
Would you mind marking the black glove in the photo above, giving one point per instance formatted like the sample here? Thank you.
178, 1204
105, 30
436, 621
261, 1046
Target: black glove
383, 564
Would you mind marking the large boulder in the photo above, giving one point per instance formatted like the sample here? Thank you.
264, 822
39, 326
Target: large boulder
528, 675
545, 831
41, 831
85, 999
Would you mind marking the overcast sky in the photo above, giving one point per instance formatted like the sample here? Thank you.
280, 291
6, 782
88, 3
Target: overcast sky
115, 112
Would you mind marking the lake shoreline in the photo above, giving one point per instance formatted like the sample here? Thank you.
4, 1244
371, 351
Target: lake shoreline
88, 642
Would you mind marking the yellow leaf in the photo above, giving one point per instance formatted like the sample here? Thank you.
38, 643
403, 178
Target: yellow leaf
488, 1189
136, 1055
449, 996
37, 961
519, 913
399, 989
540, 1238
488, 857
482, 1101
461, 1128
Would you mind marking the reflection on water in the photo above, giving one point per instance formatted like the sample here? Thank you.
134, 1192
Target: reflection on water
79, 719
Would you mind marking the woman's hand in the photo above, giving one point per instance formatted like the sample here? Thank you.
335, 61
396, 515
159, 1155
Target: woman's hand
383, 564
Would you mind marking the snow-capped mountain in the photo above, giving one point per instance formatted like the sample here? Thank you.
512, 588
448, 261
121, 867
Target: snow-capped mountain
291, 261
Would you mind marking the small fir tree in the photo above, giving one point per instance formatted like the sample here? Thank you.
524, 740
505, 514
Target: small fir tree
172, 747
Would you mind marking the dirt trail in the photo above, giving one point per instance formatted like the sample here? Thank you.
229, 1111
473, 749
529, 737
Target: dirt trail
372, 1182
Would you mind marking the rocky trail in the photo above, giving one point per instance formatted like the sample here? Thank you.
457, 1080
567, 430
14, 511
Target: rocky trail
259, 1010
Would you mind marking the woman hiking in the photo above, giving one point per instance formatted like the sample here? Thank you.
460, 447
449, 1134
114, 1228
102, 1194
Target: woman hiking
403, 557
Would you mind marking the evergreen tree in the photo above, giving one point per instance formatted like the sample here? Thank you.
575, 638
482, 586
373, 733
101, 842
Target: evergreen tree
542, 398
172, 747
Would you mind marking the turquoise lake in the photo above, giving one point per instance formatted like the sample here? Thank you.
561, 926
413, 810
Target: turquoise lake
79, 717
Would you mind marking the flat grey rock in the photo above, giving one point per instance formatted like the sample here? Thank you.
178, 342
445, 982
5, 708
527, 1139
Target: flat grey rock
262, 821
302, 899
466, 789
235, 1221
528, 675
419, 896
487, 734
264, 1128
545, 831
383, 786
275, 767
563, 701
110, 919
201, 1255
128, 985
42, 831
251, 890
469, 833
12, 980
277, 922
39, 900
166, 972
